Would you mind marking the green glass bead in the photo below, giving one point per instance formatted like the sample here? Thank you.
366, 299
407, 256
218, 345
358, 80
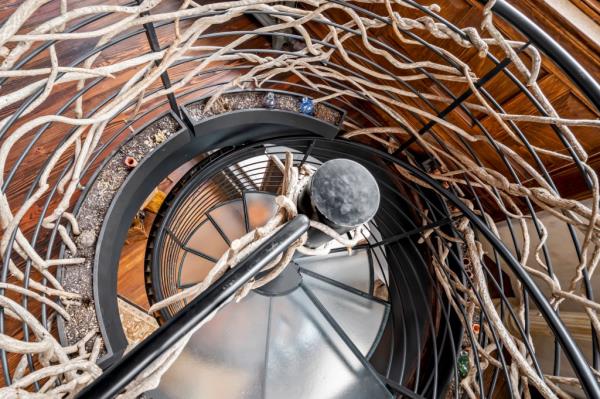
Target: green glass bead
463, 364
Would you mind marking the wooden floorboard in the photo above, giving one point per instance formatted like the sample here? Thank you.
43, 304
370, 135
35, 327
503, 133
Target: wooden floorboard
131, 284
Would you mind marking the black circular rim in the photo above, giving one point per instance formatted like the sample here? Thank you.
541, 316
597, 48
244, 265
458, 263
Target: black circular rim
411, 291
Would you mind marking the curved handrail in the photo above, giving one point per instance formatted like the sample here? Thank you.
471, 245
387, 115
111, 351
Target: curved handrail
116, 378
577, 73
220, 131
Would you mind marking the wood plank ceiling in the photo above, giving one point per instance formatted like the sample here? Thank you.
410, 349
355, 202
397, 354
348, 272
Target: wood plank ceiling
560, 90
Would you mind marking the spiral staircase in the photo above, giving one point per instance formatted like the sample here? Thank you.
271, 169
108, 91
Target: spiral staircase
192, 162
329, 320
318, 321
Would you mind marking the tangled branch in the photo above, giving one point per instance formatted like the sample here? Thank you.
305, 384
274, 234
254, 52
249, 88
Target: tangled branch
325, 62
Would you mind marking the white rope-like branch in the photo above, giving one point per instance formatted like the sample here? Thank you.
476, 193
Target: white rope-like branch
327, 62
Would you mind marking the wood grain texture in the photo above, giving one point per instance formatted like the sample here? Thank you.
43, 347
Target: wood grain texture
131, 280
567, 99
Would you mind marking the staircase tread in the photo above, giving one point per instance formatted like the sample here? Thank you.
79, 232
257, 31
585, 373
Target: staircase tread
362, 319
351, 270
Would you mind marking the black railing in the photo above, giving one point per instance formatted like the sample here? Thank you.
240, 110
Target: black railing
543, 41
502, 8
116, 378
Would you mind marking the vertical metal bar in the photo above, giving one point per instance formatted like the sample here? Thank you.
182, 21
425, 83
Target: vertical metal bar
307, 153
572, 351
340, 332
371, 271
155, 46
219, 229
246, 216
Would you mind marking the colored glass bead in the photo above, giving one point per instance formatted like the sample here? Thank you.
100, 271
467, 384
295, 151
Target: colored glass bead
269, 101
307, 106
463, 364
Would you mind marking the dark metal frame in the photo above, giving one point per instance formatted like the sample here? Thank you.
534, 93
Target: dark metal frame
109, 324
579, 75
553, 320
581, 78
222, 130
162, 260
209, 167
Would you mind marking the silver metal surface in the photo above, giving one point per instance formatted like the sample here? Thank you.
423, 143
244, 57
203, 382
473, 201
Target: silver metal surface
261, 207
352, 270
362, 319
223, 359
206, 239
269, 348
278, 347
307, 359
230, 218
378, 254
193, 269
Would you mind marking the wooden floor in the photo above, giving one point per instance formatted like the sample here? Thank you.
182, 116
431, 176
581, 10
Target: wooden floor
130, 284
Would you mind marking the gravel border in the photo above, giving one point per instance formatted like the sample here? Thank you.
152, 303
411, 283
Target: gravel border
90, 216
237, 101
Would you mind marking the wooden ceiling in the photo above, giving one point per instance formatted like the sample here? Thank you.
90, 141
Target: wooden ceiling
566, 98
568, 101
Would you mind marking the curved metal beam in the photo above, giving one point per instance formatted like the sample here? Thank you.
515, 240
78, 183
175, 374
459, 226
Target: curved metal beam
216, 132
584, 81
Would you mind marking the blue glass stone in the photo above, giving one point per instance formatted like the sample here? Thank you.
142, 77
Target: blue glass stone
307, 107
269, 101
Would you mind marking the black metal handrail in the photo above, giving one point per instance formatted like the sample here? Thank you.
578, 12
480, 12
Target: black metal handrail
543, 41
116, 378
